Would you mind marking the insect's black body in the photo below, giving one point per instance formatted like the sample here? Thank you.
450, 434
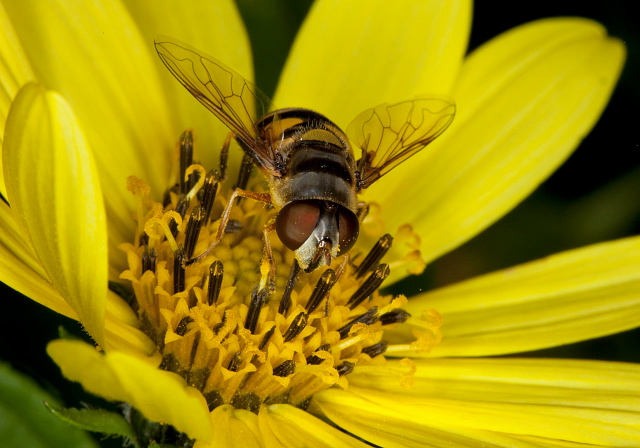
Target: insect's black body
308, 161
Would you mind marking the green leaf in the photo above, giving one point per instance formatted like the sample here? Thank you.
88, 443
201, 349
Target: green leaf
25, 422
95, 420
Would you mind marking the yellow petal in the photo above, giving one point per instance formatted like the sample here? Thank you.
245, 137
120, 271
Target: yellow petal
578, 401
55, 195
568, 297
233, 428
287, 426
15, 71
215, 28
21, 270
350, 56
525, 100
93, 54
160, 395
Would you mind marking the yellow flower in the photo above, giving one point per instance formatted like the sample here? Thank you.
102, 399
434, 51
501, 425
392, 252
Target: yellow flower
88, 105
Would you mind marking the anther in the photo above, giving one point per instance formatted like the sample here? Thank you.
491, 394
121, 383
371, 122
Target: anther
266, 338
149, 257
186, 160
315, 360
244, 175
297, 325
324, 285
285, 302
224, 155
183, 326
216, 273
367, 288
285, 369
374, 256
345, 368
376, 349
181, 209
258, 298
144, 239
233, 226
217, 327
234, 364
192, 233
368, 318
178, 270
397, 316
208, 193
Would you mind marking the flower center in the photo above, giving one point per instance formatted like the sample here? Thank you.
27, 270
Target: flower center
225, 324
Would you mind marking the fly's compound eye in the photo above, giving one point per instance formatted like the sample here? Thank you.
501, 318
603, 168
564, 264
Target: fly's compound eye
348, 229
296, 221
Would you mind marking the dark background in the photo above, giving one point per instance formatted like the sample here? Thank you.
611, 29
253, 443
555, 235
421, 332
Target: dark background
593, 197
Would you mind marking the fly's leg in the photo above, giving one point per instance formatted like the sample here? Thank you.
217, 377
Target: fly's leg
268, 265
224, 219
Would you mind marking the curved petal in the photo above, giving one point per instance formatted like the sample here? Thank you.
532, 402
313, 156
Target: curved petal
233, 428
213, 27
350, 56
500, 400
284, 425
15, 71
55, 195
568, 297
525, 100
21, 270
160, 395
93, 54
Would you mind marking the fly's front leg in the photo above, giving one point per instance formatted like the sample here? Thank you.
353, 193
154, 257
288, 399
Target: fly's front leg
268, 265
224, 219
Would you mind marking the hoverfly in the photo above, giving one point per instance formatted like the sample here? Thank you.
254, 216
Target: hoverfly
313, 176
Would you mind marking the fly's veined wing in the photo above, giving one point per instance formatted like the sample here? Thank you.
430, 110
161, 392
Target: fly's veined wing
389, 134
231, 98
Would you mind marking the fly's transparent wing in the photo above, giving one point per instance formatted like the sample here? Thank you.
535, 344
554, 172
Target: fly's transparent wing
234, 100
389, 134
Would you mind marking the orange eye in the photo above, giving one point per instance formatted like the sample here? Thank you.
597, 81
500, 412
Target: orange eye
296, 222
348, 227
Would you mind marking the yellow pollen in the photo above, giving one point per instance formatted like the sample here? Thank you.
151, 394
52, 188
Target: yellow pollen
219, 324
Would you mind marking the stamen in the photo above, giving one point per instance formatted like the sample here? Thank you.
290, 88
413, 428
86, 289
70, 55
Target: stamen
285, 369
144, 239
285, 302
266, 338
315, 360
208, 193
224, 155
178, 270
258, 299
186, 159
374, 256
183, 325
244, 175
367, 318
371, 284
194, 225
235, 362
233, 226
324, 285
345, 368
397, 316
297, 325
181, 209
216, 273
149, 257
200, 175
376, 349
